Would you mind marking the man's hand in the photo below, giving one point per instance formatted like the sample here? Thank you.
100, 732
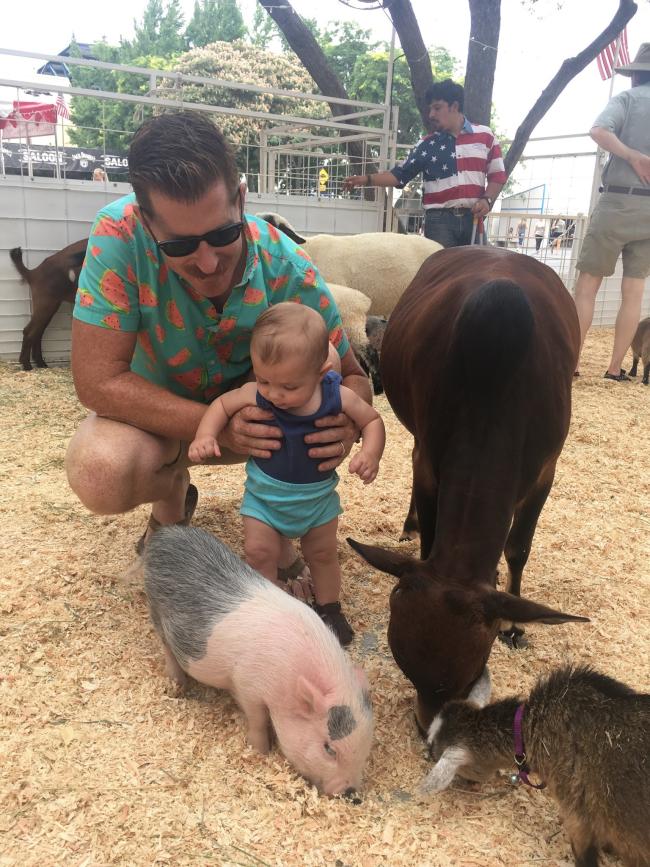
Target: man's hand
334, 442
355, 181
245, 436
480, 208
641, 165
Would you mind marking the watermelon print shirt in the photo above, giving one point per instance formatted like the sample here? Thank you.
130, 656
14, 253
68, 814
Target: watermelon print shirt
183, 343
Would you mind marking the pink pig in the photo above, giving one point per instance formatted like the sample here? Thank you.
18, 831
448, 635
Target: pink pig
227, 626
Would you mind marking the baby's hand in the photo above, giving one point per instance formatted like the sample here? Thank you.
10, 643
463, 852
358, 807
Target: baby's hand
365, 466
203, 449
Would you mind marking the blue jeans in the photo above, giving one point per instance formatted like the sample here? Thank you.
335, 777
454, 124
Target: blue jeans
448, 228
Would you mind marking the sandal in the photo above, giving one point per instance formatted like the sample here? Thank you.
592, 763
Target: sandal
296, 580
618, 377
191, 499
335, 619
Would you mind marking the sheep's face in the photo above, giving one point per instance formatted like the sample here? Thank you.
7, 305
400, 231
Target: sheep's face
210, 271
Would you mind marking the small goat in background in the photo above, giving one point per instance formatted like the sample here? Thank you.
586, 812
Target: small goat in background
52, 282
586, 735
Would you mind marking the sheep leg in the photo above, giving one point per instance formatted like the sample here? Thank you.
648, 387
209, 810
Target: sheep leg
44, 309
635, 364
646, 373
517, 549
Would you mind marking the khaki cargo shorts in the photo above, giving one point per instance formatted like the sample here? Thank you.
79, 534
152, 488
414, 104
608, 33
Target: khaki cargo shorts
619, 223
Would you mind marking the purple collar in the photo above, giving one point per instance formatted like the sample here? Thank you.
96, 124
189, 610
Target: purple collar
520, 753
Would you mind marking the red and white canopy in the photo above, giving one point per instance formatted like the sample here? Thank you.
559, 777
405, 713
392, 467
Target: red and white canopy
29, 120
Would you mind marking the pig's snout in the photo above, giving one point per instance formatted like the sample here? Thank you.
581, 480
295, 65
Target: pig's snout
351, 795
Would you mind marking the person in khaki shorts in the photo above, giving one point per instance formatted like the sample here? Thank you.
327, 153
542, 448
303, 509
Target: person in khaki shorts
620, 222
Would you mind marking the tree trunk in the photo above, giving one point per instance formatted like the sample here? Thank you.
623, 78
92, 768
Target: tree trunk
313, 59
415, 51
568, 71
481, 59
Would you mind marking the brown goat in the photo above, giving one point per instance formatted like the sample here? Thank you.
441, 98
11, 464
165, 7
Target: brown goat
585, 735
53, 281
641, 350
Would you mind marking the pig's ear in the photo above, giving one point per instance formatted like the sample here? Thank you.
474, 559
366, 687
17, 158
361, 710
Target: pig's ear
311, 701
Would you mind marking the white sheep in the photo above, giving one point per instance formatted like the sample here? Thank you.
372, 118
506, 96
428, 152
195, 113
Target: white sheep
353, 307
379, 264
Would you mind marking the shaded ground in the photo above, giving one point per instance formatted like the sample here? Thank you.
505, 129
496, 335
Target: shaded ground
100, 765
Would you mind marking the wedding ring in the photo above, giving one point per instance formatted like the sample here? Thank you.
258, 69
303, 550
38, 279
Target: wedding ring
342, 448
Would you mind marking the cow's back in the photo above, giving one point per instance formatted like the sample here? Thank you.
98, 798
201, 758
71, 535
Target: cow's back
418, 344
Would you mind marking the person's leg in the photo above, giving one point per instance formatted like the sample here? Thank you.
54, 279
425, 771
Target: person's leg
586, 289
262, 547
437, 227
538, 242
113, 467
320, 552
627, 320
319, 548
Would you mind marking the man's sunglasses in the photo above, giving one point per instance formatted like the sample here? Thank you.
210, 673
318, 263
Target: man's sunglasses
216, 238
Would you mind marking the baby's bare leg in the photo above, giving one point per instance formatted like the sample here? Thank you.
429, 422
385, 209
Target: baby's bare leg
262, 547
320, 551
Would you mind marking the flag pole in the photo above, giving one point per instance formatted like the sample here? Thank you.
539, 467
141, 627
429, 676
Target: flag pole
599, 151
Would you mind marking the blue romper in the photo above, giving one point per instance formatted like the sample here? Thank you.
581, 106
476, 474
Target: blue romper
287, 491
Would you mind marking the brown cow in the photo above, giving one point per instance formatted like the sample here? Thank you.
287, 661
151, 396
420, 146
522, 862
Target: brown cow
477, 362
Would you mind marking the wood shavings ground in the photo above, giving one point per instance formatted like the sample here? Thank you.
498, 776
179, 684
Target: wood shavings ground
102, 764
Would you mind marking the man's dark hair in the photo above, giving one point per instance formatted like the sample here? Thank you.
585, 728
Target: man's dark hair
181, 155
448, 91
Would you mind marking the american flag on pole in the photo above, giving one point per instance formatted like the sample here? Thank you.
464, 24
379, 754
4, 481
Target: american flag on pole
61, 107
609, 58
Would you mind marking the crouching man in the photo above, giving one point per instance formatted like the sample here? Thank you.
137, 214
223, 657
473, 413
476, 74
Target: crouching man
174, 279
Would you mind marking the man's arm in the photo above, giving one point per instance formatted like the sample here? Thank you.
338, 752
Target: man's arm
374, 179
354, 377
105, 384
610, 142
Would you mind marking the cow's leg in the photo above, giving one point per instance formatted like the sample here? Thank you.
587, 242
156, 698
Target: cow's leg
44, 310
411, 528
517, 549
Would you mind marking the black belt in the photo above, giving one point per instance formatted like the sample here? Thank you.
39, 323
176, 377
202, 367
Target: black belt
632, 191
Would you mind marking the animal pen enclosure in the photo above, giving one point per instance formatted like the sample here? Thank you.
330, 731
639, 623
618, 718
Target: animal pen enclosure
103, 764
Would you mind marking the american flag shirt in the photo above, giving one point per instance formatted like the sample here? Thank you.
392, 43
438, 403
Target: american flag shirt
454, 169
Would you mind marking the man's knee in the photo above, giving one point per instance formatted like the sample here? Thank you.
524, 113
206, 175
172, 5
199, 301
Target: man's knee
97, 477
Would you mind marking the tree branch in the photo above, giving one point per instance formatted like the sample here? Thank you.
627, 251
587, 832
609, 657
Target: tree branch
415, 51
567, 72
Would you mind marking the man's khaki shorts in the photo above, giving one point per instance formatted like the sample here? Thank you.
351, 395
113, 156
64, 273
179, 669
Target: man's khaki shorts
619, 223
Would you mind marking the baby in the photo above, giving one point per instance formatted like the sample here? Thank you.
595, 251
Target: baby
286, 494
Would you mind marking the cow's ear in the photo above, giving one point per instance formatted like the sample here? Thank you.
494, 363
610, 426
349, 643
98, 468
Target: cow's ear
505, 606
386, 561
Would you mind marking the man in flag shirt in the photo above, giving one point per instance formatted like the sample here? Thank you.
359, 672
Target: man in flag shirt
620, 222
461, 166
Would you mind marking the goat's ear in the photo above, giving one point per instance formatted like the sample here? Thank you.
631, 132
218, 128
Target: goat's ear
391, 562
505, 606
441, 775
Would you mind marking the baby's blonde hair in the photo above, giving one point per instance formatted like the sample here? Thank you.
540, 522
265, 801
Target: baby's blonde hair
291, 329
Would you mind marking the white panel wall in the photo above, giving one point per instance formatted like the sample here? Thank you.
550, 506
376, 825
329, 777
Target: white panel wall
42, 215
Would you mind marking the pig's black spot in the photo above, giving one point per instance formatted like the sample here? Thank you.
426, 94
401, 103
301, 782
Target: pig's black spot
340, 722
